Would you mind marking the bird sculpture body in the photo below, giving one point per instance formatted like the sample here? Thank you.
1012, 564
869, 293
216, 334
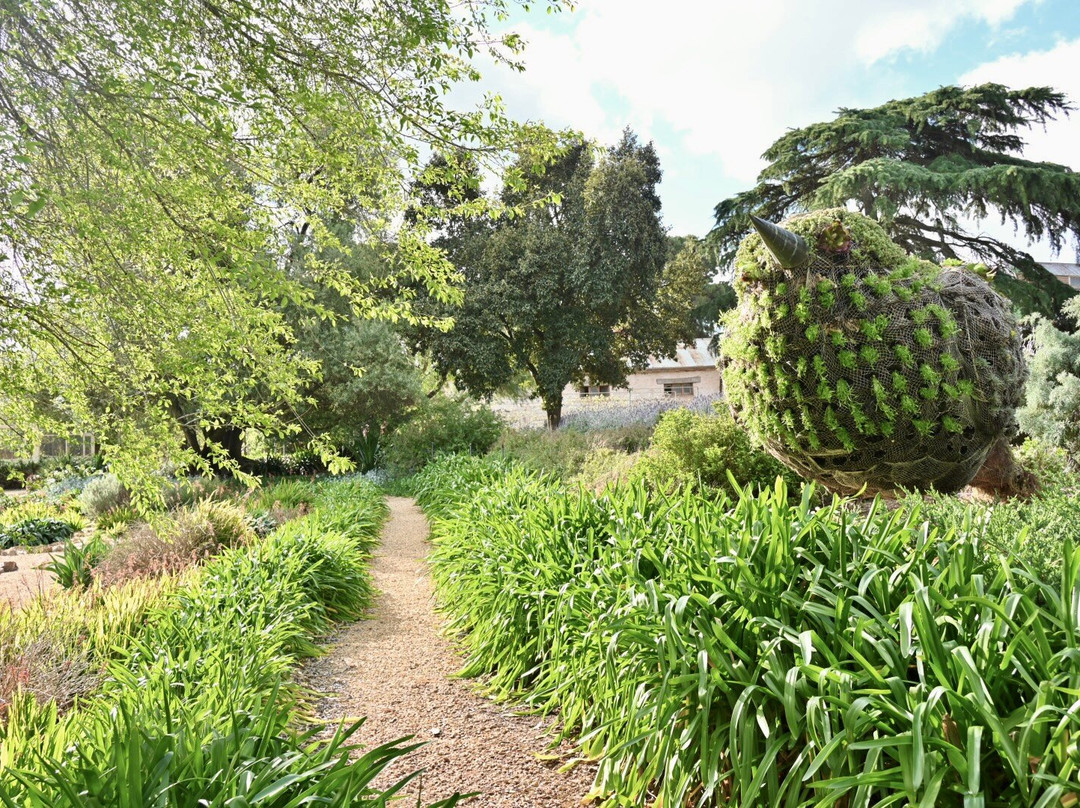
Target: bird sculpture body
862, 367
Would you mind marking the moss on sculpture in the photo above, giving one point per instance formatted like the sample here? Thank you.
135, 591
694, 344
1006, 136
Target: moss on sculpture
860, 366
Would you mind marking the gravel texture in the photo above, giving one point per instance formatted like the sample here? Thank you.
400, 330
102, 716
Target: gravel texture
18, 587
398, 669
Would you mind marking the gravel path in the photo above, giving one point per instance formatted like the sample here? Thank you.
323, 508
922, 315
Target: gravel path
397, 669
27, 581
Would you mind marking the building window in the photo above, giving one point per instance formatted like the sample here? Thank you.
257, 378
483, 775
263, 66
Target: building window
679, 389
596, 391
1074, 282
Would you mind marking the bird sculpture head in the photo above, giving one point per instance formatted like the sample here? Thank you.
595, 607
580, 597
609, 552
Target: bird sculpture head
862, 367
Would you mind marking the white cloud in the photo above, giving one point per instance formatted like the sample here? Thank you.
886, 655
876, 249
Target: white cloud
922, 25
726, 77
715, 83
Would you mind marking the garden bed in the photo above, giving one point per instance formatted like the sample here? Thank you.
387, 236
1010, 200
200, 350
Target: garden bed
761, 650
176, 691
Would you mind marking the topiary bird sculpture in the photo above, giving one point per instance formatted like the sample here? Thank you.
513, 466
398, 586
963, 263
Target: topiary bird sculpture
865, 368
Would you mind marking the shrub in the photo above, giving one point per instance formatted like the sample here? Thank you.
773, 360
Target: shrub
1033, 531
49, 671
35, 532
628, 439
567, 452
103, 494
562, 453
604, 466
443, 426
1051, 411
1049, 464
228, 522
701, 449
174, 542
56, 646
762, 651
141, 553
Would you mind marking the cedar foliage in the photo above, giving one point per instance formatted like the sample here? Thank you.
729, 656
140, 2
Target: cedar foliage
919, 167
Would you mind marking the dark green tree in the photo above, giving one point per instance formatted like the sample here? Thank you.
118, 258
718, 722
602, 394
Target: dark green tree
577, 287
366, 383
690, 257
920, 167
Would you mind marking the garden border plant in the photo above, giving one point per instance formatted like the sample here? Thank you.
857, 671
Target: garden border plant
196, 707
762, 651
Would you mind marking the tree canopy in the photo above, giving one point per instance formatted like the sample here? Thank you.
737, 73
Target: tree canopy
923, 168
156, 161
578, 289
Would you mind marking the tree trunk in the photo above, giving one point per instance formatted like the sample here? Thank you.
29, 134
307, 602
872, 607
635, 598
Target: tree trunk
229, 438
1001, 477
553, 408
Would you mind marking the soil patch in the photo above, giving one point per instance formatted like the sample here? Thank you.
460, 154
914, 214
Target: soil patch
28, 581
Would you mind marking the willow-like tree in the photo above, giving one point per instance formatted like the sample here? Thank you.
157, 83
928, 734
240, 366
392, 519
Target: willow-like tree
156, 159
577, 289
924, 168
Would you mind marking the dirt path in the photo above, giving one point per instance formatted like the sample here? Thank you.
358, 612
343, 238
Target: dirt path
397, 669
27, 581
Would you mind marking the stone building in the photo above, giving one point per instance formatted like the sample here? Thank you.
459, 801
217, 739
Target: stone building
690, 374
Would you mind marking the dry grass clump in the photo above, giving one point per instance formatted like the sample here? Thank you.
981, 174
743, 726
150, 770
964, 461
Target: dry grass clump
175, 543
57, 645
49, 669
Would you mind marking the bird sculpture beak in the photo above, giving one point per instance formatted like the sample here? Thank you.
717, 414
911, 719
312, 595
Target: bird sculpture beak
789, 249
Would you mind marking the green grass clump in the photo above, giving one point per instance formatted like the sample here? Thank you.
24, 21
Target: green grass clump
196, 707
288, 494
701, 450
1033, 530
760, 651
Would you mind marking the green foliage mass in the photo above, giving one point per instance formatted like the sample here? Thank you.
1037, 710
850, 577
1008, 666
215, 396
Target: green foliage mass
157, 161
698, 450
865, 366
443, 425
196, 708
368, 382
762, 651
1051, 410
35, 532
919, 165
574, 289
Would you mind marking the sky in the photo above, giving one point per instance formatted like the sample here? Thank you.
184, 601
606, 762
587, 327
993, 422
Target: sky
713, 83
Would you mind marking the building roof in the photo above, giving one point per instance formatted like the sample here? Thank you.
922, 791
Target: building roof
1062, 268
696, 355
